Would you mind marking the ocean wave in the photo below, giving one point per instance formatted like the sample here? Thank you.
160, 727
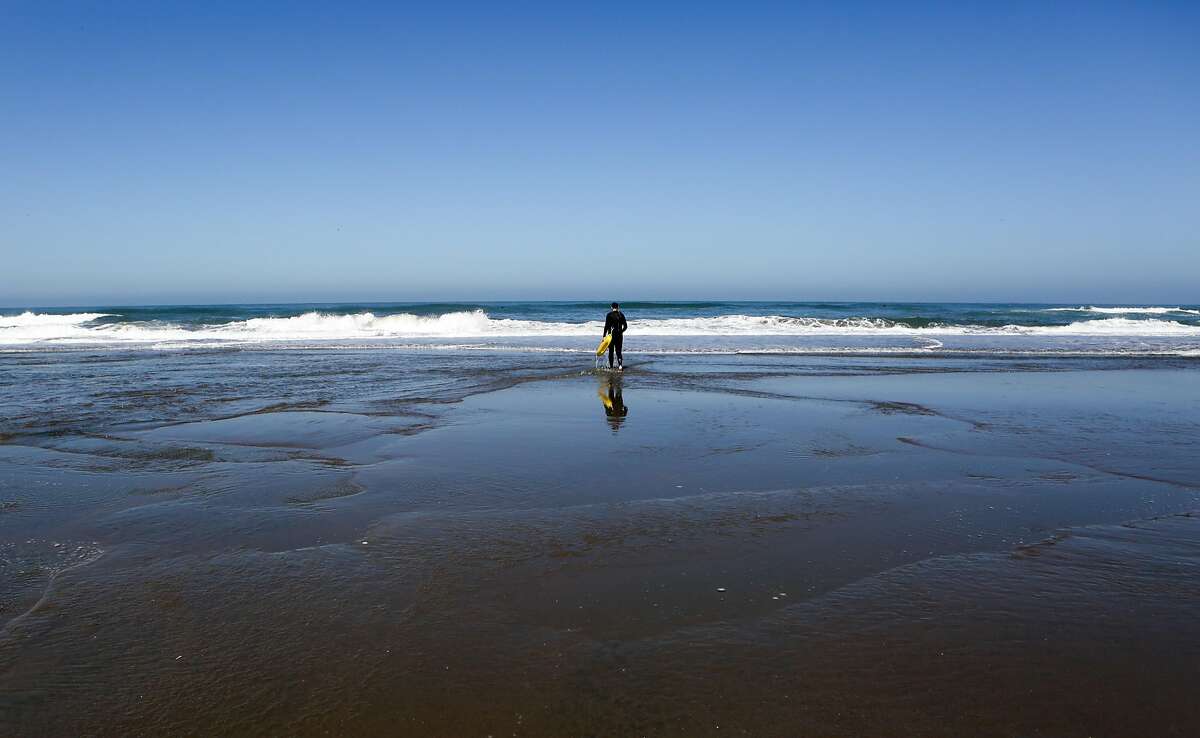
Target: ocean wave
476, 324
317, 327
1104, 327
30, 319
1123, 310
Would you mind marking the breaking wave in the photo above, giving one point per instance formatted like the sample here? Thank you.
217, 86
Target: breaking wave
29, 319
1124, 310
473, 324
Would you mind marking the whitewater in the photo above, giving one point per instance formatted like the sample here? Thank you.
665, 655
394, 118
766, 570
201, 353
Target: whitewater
475, 324
767, 327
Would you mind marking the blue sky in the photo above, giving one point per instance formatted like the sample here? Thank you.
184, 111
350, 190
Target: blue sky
923, 151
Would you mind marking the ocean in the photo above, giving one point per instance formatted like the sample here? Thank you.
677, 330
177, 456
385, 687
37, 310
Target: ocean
655, 327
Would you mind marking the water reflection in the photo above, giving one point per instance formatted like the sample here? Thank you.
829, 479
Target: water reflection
615, 408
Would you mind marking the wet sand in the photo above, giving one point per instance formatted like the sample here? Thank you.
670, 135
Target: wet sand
736, 546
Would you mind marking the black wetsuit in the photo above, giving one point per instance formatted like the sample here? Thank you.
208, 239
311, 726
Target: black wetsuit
615, 324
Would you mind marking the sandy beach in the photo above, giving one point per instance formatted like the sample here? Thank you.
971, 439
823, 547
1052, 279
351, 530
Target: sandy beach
754, 545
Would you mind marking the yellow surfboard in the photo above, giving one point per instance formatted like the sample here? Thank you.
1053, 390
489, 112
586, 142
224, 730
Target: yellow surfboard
604, 344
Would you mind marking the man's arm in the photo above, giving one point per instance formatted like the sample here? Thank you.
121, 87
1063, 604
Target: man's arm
624, 323
608, 323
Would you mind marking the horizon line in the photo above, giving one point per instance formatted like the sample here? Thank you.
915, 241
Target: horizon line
600, 302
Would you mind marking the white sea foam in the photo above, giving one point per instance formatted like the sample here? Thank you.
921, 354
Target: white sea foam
29, 327
316, 326
1123, 310
1110, 327
31, 319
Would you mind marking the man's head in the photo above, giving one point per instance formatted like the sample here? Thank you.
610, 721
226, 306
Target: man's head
615, 306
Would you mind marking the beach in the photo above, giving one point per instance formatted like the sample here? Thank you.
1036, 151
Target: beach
763, 531
600, 370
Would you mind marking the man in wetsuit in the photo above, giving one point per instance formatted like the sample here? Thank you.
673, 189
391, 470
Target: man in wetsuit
615, 324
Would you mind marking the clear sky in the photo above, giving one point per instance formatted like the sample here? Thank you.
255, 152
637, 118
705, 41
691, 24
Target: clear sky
256, 152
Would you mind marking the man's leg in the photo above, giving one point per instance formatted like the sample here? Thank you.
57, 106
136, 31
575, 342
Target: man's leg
611, 347
620, 358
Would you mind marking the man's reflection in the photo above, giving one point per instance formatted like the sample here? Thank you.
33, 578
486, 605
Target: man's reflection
615, 409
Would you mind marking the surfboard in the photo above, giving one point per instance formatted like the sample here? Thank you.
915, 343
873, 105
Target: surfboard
604, 344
